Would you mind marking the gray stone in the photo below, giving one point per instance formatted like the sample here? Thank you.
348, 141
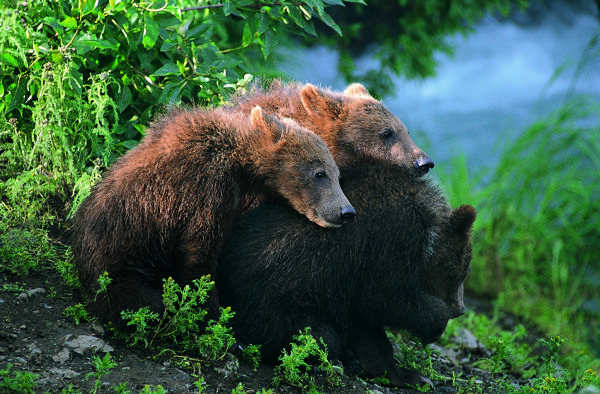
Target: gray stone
66, 373
62, 356
87, 344
467, 340
26, 295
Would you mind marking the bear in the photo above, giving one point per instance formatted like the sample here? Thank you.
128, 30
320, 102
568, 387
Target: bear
400, 264
353, 124
165, 207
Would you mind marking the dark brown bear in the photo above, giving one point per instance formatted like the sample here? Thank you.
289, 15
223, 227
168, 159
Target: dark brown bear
353, 124
400, 264
165, 207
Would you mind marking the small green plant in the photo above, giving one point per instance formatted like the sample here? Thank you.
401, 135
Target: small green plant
77, 313
199, 383
239, 389
103, 281
142, 321
590, 378
103, 367
551, 377
70, 390
414, 355
121, 388
296, 364
218, 337
66, 269
17, 381
180, 329
153, 390
13, 287
251, 354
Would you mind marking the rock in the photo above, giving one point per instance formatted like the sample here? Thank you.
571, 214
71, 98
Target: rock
26, 295
467, 340
86, 344
589, 390
62, 356
66, 373
36, 353
229, 366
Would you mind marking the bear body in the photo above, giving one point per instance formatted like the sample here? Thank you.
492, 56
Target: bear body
400, 264
165, 207
352, 123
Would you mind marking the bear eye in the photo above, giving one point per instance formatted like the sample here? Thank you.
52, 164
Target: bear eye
320, 175
387, 134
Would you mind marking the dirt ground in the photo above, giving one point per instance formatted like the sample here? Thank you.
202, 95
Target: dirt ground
35, 336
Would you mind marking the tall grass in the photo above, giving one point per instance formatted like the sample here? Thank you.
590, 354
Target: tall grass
537, 236
71, 137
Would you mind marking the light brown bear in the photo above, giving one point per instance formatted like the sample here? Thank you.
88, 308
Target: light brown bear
353, 124
166, 206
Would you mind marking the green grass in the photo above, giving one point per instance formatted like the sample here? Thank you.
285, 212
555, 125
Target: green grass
536, 243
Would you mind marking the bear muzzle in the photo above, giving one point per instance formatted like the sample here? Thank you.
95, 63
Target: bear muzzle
347, 213
423, 164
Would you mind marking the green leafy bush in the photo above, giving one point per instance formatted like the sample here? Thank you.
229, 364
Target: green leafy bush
17, 382
295, 365
180, 329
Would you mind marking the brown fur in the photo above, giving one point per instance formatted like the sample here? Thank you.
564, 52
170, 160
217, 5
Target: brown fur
353, 124
165, 207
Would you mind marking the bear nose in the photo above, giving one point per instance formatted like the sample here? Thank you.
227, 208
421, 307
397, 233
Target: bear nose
347, 213
459, 312
423, 164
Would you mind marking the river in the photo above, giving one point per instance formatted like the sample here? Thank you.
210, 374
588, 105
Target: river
502, 77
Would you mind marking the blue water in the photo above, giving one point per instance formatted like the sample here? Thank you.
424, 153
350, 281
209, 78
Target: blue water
501, 78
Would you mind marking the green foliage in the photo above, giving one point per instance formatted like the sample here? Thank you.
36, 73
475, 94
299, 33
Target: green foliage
251, 354
152, 52
512, 354
77, 313
408, 35
295, 365
103, 367
22, 250
180, 329
218, 337
540, 248
17, 382
103, 281
153, 390
65, 267
412, 354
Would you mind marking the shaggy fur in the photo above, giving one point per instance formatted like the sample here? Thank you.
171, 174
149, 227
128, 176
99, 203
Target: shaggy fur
166, 206
400, 264
352, 123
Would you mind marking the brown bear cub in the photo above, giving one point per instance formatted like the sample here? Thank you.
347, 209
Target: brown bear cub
353, 124
166, 206
400, 264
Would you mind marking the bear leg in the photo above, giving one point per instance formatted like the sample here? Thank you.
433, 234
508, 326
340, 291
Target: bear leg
374, 353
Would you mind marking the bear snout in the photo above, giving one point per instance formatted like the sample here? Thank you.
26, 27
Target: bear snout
423, 164
457, 312
347, 213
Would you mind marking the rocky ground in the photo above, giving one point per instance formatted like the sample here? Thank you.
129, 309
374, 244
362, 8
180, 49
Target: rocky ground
35, 336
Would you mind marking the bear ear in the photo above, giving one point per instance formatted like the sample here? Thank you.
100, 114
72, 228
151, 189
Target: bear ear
462, 219
320, 103
269, 125
357, 89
